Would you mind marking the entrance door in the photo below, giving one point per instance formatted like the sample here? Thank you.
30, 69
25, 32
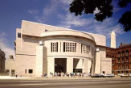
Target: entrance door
60, 65
77, 65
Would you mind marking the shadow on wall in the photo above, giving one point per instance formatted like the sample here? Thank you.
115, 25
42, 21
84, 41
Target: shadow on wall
44, 61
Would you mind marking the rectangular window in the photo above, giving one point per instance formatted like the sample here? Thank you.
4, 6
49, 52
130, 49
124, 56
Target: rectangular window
85, 48
119, 60
63, 46
69, 47
126, 66
119, 67
126, 71
13, 71
54, 47
126, 59
127, 53
7, 70
19, 35
30, 71
81, 48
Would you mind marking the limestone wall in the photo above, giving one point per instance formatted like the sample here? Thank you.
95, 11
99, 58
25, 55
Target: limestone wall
10, 65
99, 39
24, 63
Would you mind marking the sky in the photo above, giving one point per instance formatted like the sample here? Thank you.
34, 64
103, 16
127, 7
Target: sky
56, 13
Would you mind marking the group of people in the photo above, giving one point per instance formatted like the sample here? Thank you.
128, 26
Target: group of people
68, 74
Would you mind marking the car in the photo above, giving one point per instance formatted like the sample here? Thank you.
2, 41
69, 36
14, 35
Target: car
109, 75
97, 75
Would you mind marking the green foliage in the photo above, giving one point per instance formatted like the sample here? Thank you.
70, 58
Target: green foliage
105, 10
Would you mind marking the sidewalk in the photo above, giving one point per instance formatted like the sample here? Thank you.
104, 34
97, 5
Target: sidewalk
54, 78
11, 77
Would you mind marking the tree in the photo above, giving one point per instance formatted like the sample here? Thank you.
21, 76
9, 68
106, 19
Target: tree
105, 10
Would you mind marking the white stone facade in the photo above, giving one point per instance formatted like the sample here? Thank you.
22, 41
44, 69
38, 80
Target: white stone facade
44, 49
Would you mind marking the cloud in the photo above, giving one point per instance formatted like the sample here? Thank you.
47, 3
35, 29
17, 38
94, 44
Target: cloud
59, 9
104, 27
4, 45
50, 9
33, 11
66, 2
90, 24
70, 20
96, 11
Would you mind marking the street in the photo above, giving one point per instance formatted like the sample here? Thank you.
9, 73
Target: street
66, 83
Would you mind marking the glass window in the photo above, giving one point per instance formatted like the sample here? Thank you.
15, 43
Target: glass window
13, 71
85, 48
30, 71
126, 66
127, 53
19, 35
118, 59
119, 66
54, 47
63, 46
7, 70
69, 47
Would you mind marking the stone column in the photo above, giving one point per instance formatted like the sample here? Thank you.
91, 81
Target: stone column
97, 62
39, 61
69, 65
92, 66
89, 66
85, 66
51, 66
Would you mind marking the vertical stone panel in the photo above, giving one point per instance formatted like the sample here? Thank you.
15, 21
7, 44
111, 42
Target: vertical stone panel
69, 64
85, 66
50, 66
39, 61
89, 66
97, 63
44, 60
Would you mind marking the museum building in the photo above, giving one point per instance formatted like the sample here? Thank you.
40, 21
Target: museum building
45, 49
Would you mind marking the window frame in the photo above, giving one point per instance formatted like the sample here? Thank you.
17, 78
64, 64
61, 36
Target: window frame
19, 35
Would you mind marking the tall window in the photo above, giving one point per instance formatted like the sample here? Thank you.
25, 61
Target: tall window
118, 59
54, 47
69, 47
19, 35
85, 48
127, 53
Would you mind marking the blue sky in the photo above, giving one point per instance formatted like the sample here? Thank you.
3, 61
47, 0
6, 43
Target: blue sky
54, 12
